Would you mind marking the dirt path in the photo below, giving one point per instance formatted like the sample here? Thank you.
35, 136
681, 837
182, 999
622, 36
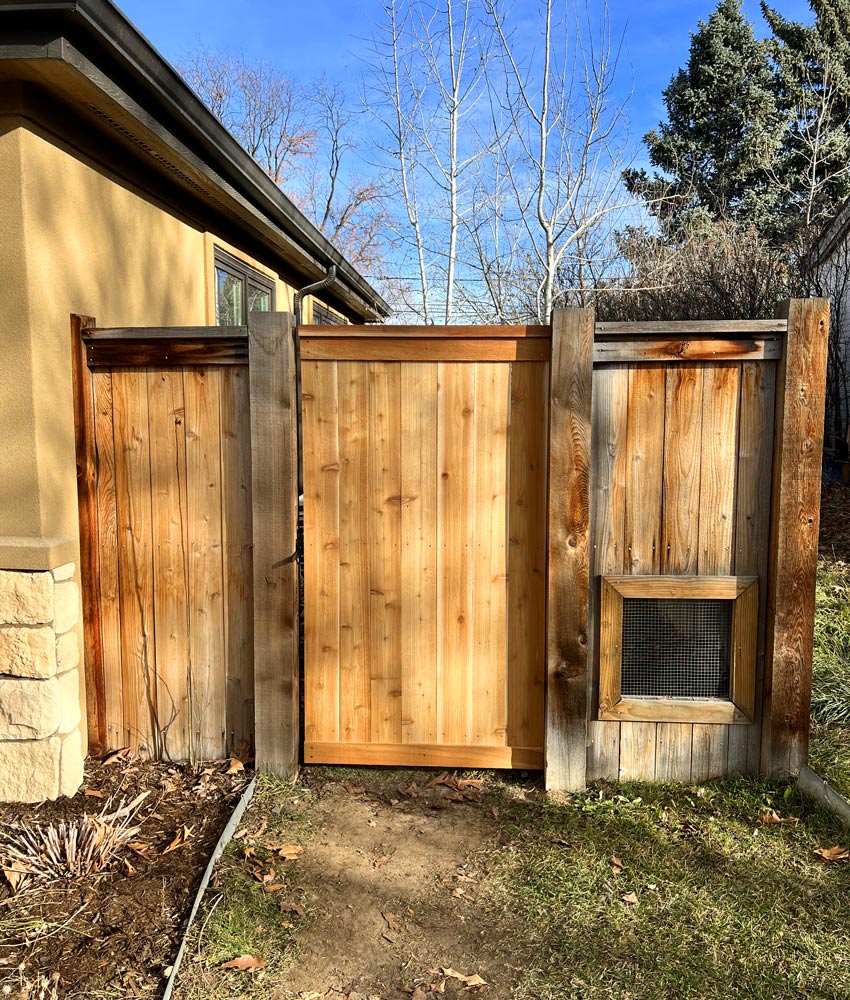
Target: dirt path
395, 894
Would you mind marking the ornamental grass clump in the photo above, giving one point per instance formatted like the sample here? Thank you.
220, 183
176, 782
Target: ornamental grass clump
74, 849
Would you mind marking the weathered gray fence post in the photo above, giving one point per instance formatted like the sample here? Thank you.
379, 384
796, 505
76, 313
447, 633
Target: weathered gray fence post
274, 483
568, 572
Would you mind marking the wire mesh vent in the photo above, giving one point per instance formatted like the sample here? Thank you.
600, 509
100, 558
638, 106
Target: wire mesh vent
676, 648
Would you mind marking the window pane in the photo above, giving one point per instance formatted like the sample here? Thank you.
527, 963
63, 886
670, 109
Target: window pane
229, 303
259, 299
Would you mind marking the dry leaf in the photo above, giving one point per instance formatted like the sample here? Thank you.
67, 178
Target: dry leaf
235, 766
616, 864
470, 783
286, 906
442, 779
458, 892
392, 921
128, 868
772, 818
142, 849
381, 861
274, 887
630, 898
833, 853
93, 793
243, 753
289, 852
473, 980
355, 789
115, 755
16, 871
180, 838
245, 963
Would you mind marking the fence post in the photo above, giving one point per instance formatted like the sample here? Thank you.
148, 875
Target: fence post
568, 564
274, 485
795, 511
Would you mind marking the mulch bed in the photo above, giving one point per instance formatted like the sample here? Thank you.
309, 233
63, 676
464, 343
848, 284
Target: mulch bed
835, 522
114, 933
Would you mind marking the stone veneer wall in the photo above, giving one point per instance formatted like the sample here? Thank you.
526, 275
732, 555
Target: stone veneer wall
41, 749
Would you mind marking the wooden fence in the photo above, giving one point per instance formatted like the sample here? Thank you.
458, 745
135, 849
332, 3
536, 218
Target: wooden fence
465, 492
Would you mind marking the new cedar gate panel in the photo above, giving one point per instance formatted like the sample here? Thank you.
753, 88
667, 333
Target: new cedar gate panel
424, 551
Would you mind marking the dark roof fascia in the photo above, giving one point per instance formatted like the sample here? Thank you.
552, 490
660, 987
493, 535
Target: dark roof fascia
97, 40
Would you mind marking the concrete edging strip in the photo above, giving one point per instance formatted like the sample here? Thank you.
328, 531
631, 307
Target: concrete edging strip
823, 793
223, 841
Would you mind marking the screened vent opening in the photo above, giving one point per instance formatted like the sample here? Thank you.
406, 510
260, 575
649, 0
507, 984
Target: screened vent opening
676, 648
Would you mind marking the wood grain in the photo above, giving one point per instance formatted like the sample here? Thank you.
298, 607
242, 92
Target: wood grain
568, 572
274, 501
413, 349
798, 443
108, 582
135, 559
238, 557
86, 455
170, 561
201, 393
354, 552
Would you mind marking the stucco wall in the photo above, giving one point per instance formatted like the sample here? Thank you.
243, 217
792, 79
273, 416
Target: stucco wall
75, 240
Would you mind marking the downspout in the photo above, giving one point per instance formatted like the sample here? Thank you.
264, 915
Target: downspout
317, 286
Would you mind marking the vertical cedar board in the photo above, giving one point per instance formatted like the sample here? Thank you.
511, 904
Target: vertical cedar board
608, 490
108, 582
84, 433
568, 571
274, 502
795, 514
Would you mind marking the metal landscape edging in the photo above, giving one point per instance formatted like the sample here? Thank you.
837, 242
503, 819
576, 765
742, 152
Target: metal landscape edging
823, 793
223, 841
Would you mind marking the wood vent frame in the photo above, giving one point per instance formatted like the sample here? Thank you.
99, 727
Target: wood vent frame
739, 709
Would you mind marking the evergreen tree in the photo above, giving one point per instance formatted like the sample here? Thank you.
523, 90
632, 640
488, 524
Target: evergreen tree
812, 86
715, 150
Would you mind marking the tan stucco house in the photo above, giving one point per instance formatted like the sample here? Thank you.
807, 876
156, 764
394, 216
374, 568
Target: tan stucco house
121, 198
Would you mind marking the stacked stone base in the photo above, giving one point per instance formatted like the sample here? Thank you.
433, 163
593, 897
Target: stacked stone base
41, 747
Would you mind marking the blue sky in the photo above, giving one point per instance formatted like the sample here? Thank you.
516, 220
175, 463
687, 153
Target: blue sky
308, 37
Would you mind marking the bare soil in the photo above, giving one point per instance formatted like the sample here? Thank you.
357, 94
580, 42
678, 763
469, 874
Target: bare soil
113, 934
396, 900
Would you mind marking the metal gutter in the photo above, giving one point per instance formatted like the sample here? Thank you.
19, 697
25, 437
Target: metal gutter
823, 793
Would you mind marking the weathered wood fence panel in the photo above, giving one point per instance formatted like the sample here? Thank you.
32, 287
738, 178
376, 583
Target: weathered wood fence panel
172, 547
425, 553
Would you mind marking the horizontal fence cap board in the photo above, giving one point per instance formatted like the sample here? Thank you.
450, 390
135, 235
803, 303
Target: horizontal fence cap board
425, 331
685, 586
155, 333
422, 349
670, 349
708, 327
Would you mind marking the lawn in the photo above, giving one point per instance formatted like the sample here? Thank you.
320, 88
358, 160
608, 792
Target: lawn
631, 891
830, 744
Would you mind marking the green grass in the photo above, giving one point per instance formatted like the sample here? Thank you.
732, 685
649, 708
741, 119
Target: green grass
727, 907
830, 742
237, 916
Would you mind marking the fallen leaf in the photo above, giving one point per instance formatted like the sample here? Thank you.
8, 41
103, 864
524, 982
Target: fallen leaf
381, 861
473, 980
392, 921
355, 789
235, 766
772, 818
180, 838
140, 848
470, 783
93, 793
14, 872
630, 898
274, 887
244, 963
287, 906
243, 752
128, 868
115, 755
616, 864
442, 779
289, 852
458, 892
833, 853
